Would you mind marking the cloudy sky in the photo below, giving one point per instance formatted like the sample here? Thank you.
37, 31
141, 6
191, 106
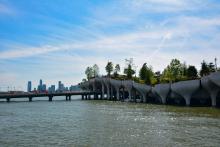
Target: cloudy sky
57, 39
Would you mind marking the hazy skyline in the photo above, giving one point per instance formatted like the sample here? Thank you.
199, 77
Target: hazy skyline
55, 40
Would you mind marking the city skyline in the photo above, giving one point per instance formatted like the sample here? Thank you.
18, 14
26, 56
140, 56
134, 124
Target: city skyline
44, 87
59, 43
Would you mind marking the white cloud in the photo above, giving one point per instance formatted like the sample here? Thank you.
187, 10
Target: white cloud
189, 38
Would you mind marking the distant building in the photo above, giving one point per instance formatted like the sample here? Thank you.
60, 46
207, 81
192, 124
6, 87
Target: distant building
41, 82
74, 88
51, 89
44, 87
29, 86
41, 87
61, 87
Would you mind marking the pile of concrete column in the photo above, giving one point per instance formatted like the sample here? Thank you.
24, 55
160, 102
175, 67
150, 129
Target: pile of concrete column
207, 87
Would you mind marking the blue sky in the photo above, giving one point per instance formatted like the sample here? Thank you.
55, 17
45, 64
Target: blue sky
57, 39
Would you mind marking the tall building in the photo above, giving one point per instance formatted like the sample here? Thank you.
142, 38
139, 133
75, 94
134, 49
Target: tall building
60, 86
40, 86
44, 87
74, 88
52, 89
29, 86
41, 82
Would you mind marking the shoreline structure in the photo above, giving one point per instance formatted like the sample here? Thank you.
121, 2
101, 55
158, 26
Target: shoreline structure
204, 91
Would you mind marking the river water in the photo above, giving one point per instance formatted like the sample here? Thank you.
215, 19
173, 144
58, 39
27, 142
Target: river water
106, 123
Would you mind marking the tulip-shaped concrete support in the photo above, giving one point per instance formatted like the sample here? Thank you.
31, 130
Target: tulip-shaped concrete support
118, 94
162, 90
116, 84
128, 84
211, 88
186, 89
129, 95
215, 78
143, 89
103, 92
106, 83
111, 94
108, 92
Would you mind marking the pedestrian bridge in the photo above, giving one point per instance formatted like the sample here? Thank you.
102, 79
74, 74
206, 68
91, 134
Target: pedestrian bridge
50, 96
200, 92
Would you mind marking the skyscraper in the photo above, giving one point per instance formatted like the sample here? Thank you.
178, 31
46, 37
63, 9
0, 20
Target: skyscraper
29, 86
41, 83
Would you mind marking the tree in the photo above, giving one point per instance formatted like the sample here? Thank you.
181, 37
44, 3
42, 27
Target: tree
146, 74
143, 72
109, 68
204, 69
158, 76
83, 80
192, 72
89, 72
184, 69
129, 71
117, 69
174, 71
95, 70
212, 67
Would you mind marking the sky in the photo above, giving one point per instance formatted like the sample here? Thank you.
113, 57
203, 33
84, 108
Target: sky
56, 40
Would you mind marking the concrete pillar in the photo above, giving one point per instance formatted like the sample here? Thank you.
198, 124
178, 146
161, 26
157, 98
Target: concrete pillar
108, 92
30, 99
86, 97
8, 99
69, 97
163, 100
213, 97
66, 97
103, 92
118, 94
187, 99
130, 94
135, 96
111, 97
82, 96
123, 95
144, 98
94, 87
50, 98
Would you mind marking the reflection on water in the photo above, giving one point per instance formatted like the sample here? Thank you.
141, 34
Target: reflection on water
105, 123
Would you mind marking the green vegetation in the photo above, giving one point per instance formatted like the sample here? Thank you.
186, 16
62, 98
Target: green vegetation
192, 72
174, 72
206, 68
117, 70
109, 68
92, 71
129, 70
146, 74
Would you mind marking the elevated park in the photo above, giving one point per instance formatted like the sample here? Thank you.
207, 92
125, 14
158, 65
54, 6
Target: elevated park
199, 92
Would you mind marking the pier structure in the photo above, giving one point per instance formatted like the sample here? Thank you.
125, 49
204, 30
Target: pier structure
31, 96
201, 92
